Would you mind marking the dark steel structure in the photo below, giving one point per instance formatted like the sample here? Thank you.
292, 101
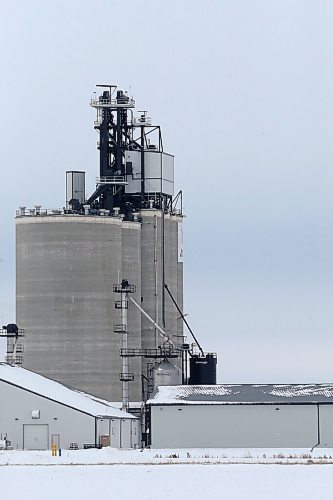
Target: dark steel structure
13, 333
120, 133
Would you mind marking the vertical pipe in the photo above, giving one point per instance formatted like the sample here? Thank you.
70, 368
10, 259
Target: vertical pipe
318, 416
163, 262
124, 305
156, 280
119, 140
142, 164
318, 429
104, 144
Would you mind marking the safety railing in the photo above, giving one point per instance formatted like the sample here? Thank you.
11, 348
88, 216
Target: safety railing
123, 102
111, 179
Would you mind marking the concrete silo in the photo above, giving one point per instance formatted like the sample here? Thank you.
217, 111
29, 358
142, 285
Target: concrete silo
68, 261
65, 297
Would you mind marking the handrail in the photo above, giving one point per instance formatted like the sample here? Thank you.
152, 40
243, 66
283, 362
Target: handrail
111, 179
112, 103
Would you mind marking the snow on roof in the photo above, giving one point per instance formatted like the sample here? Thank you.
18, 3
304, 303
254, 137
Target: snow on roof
243, 394
59, 393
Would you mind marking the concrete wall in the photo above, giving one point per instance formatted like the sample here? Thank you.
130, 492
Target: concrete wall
131, 258
234, 426
66, 267
152, 276
65, 270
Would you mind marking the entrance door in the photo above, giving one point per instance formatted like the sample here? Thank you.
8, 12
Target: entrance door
55, 439
35, 437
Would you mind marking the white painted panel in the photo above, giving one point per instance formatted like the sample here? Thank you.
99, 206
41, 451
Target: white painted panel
136, 433
153, 165
167, 187
168, 167
126, 433
75, 186
158, 166
79, 186
153, 185
36, 437
134, 180
73, 426
326, 426
234, 426
69, 187
115, 433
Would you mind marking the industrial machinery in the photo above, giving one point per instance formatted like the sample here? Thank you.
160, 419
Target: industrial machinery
135, 172
13, 334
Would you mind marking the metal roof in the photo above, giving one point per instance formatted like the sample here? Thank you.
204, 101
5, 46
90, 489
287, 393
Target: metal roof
243, 394
54, 391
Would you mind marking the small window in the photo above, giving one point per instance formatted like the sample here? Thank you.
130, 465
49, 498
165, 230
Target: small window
35, 414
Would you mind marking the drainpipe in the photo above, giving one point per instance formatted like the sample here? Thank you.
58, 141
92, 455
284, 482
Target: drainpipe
95, 432
318, 430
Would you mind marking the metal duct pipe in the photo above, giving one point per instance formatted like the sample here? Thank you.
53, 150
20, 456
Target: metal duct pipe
162, 332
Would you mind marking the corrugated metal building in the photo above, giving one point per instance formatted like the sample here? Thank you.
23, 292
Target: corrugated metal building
36, 412
242, 416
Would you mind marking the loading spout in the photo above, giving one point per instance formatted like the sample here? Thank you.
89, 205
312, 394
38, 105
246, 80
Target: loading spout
161, 331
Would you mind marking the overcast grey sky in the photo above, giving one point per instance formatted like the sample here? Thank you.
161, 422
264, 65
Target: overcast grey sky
243, 91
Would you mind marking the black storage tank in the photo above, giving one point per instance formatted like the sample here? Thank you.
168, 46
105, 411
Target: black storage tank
203, 369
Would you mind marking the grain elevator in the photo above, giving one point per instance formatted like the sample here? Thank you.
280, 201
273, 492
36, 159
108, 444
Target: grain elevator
70, 262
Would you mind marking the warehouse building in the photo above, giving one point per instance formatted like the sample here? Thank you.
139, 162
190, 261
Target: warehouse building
242, 416
36, 412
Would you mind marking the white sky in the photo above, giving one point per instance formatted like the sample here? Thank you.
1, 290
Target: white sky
243, 90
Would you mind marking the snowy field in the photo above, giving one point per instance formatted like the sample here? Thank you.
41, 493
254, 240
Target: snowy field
166, 474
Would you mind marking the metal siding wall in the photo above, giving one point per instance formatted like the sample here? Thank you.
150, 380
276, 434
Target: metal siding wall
115, 433
36, 436
126, 433
73, 426
234, 426
103, 428
326, 426
136, 433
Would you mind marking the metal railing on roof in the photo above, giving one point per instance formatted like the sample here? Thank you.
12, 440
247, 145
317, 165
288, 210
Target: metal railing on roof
112, 179
125, 102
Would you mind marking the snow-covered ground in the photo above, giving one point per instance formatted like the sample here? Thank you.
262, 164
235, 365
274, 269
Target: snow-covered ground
200, 456
167, 474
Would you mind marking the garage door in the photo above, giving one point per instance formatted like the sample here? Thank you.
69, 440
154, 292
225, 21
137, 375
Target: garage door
35, 437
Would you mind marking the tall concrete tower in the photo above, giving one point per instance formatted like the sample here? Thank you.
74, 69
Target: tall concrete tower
68, 260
